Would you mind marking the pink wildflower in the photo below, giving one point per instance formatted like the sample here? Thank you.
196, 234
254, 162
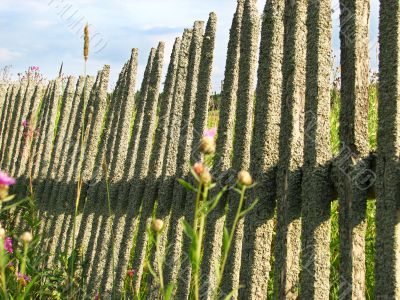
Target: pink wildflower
25, 123
6, 180
96, 296
207, 142
23, 279
210, 133
8, 245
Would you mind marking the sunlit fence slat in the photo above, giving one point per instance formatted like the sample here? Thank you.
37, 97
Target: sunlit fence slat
387, 267
291, 142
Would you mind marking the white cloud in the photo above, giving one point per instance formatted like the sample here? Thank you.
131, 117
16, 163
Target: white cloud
7, 55
43, 23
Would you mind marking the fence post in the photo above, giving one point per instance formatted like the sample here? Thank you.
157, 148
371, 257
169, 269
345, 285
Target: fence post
174, 261
156, 161
316, 202
60, 210
136, 186
6, 113
291, 142
13, 126
215, 222
387, 266
249, 43
169, 167
350, 165
259, 223
15, 149
55, 157
26, 148
125, 95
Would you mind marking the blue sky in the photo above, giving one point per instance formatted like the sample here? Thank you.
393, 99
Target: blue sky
46, 32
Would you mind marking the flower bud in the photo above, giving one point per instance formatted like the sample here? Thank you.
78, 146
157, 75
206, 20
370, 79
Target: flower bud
205, 177
157, 225
3, 191
130, 273
244, 178
198, 168
27, 237
2, 233
207, 145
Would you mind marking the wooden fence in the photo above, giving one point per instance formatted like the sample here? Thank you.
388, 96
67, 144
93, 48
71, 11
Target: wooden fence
139, 144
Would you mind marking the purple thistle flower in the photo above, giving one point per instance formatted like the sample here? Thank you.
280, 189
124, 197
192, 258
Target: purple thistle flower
25, 123
210, 133
23, 279
8, 245
6, 180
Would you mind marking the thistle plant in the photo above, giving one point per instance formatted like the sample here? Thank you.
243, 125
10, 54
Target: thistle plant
157, 226
204, 206
244, 182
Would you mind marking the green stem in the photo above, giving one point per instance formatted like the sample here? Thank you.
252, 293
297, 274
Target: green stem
4, 283
79, 186
3, 269
159, 264
195, 229
199, 235
232, 232
23, 264
196, 210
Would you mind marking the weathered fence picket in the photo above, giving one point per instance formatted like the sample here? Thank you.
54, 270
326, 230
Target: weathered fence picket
56, 191
354, 148
387, 268
249, 38
291, 142
224, 144
316, 202
169, 168
259, 224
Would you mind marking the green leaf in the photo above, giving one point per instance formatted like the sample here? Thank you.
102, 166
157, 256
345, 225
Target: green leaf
8, 207
237, 191
151, 270
194, 174
9, 198
187, 185
253, 185
72, 260
213, 185
188, 230
168, 291
217, 198
28, 288
246, 211
212, 204
230, 295
226, 240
